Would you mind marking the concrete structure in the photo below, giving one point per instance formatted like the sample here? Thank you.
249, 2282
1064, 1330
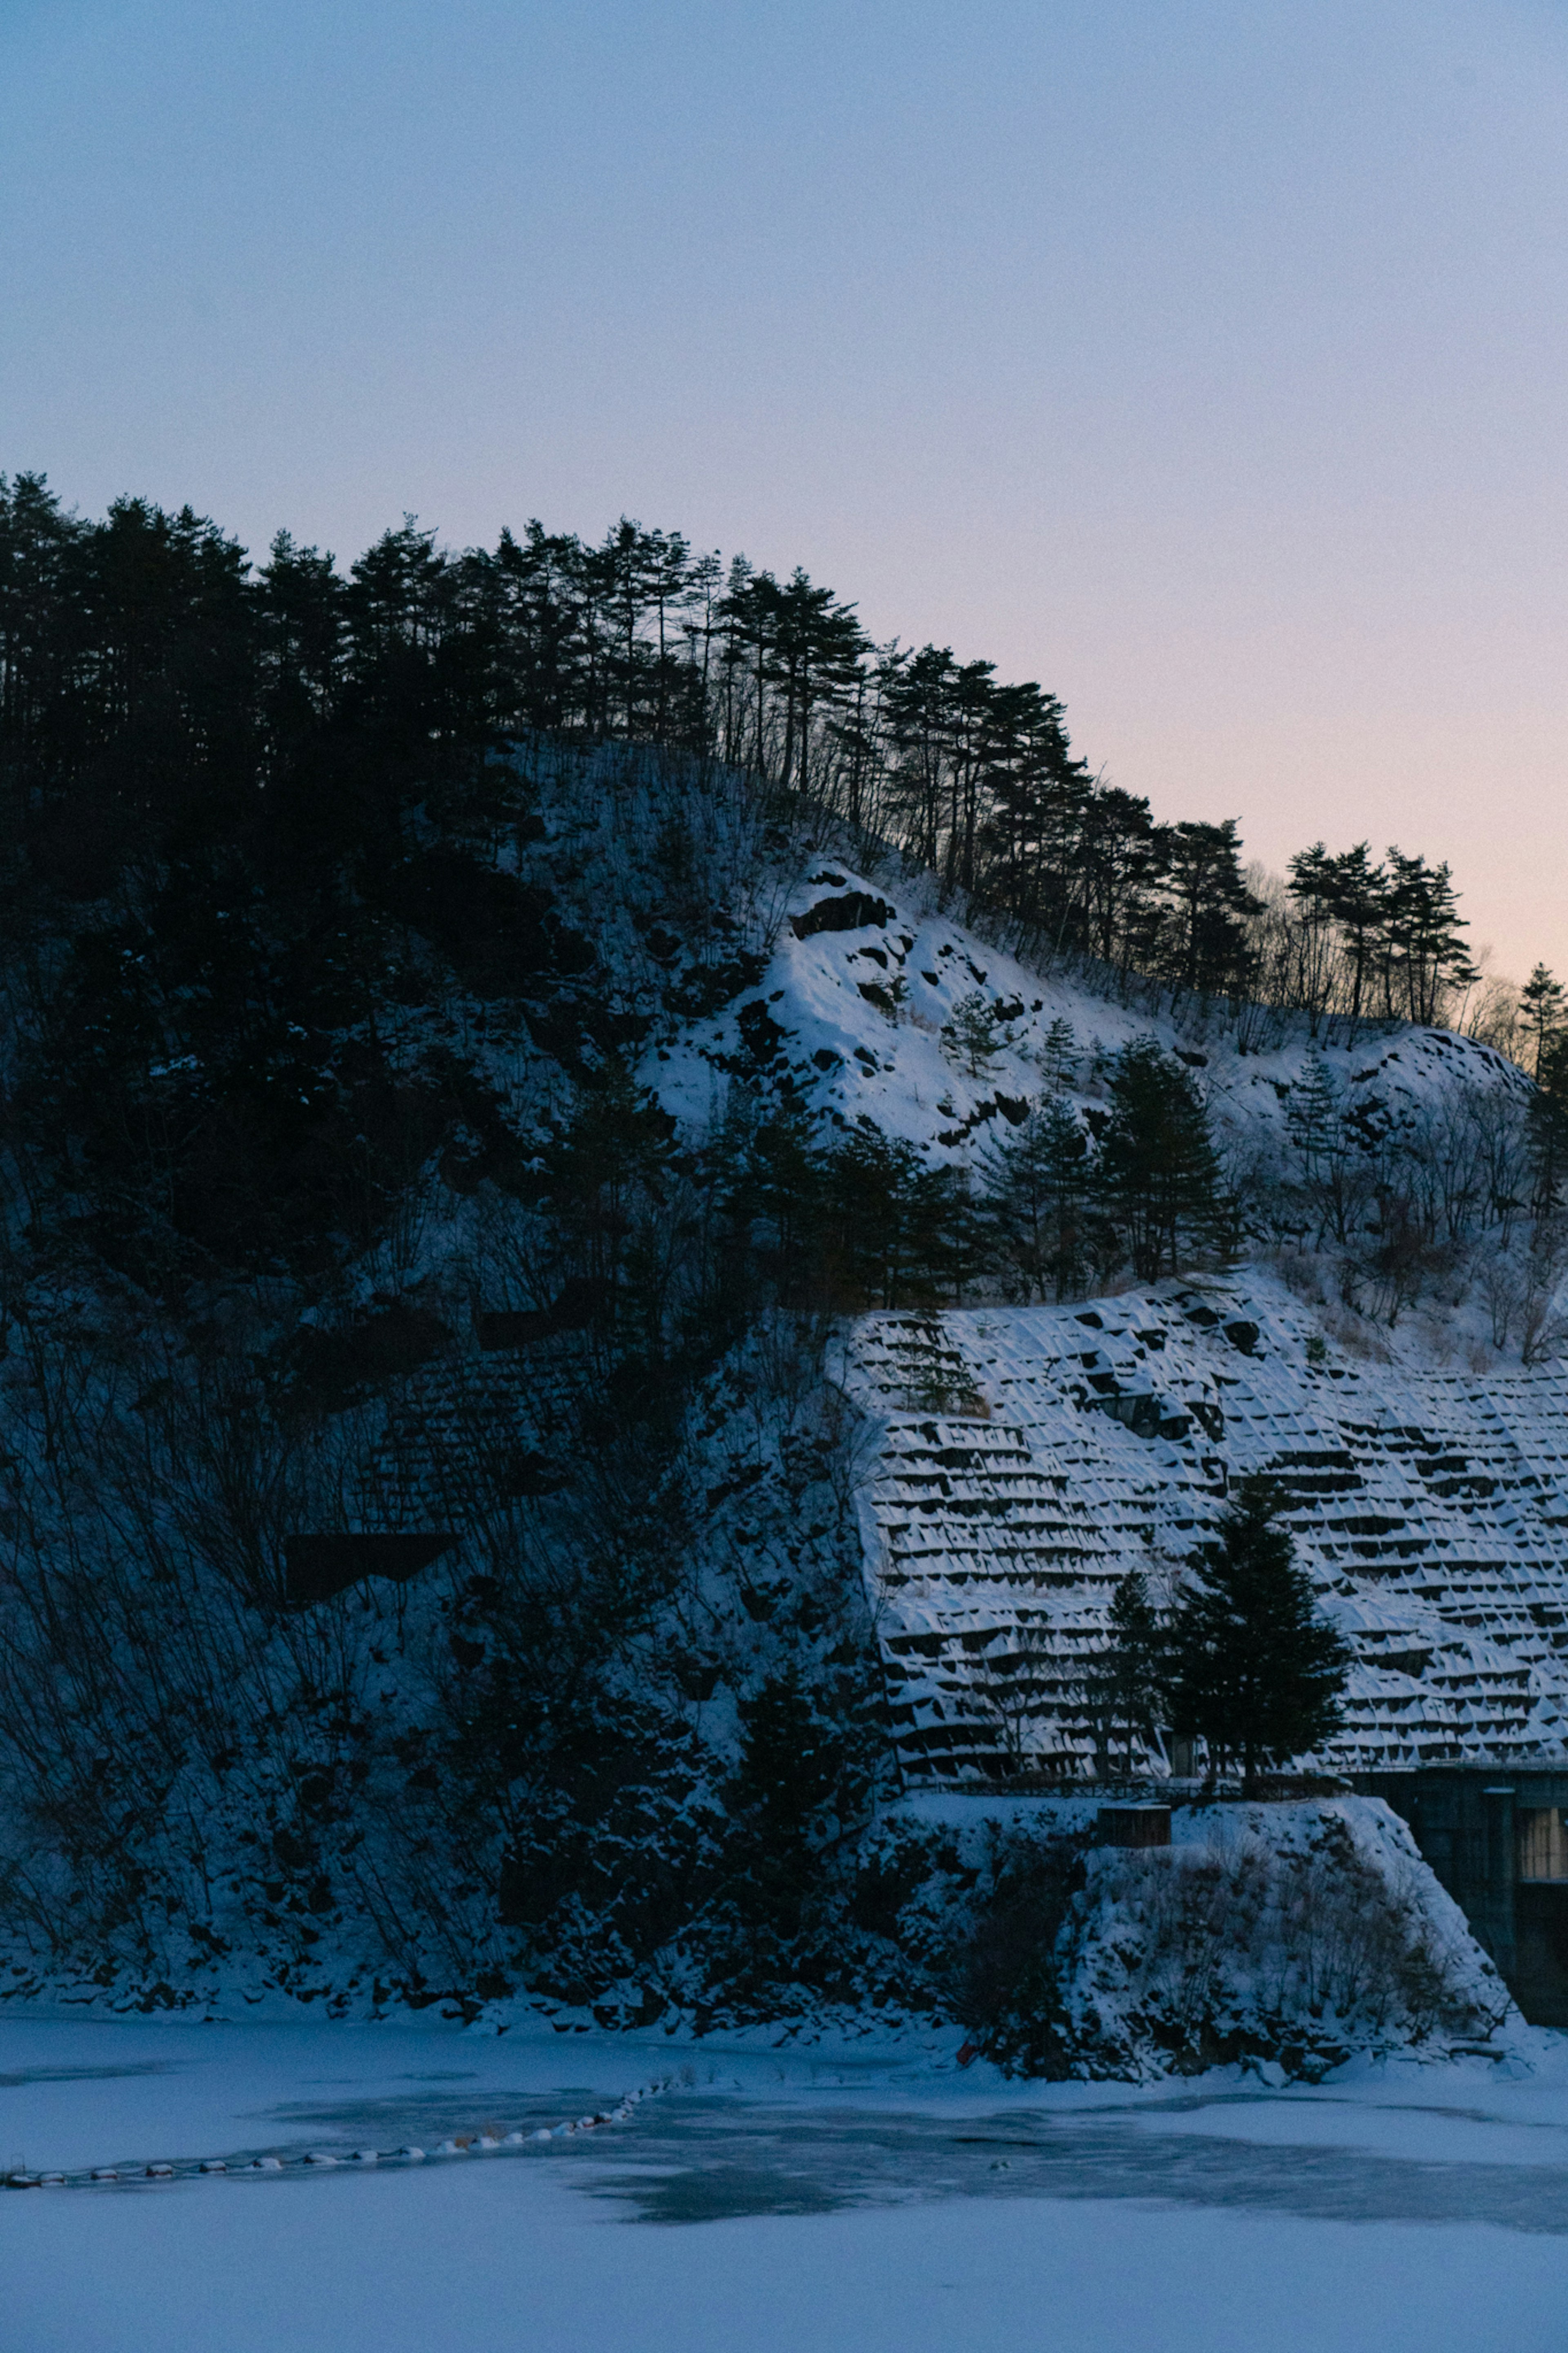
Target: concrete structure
1498, 1840
1031, 1457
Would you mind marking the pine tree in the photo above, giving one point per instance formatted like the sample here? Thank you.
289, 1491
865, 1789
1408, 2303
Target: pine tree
1311, 886
1423, 954
974, 1034
797, 1783
813, 652
1315, 1123
1124, 1688
1035, 1202
1161, 1171
776, 1197
1253, 1670
792, 1763
1210, 906
917, 694
1058, 1055
1540, 1004
1548, 1127
1356, 894
1314, 1116
894, 1231
607, 1172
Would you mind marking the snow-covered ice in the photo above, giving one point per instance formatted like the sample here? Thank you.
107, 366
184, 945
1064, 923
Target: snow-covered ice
865, 2195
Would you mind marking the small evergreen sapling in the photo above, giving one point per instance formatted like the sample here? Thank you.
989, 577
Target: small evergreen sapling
1315, 1116
975, 1034
1252, 1669
1315, 1123
1059, 1055
934, 1376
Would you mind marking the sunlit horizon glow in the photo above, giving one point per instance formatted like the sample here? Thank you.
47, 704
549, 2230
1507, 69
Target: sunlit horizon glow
1207, 366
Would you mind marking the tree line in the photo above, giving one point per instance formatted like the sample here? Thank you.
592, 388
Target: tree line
156, 685
654, 1235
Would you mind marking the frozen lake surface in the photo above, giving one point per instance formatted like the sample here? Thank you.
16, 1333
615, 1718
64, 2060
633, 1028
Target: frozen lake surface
865, 2196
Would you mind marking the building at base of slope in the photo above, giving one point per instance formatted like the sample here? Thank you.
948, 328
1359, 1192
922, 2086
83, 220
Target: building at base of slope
1031, 1457
1497, 1837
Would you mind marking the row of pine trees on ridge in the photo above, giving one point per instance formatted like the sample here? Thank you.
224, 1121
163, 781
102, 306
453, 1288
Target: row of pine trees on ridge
152, 676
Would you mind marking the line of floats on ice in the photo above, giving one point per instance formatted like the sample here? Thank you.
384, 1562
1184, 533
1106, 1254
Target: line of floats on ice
465, 2144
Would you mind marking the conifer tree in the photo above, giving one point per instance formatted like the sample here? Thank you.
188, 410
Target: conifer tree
894, 1231
973, 1034
1058, 1055
795, 1783
813, 645
1540, 1002
1424, 955
1313, 1117
1356, 894
1548, 1127
776, 1182
607, 1171
1315, 1123
792, 1764
1160, 1168
1035, 1201
1210, 904
1124, 1688
1253, 1669
1311, 886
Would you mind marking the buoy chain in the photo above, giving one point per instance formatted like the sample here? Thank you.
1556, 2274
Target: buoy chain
463, 2144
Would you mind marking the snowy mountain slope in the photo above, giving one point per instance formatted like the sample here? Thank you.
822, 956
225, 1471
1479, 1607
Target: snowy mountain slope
849, 1013
1427, 1467
1082, 1442
346, 1790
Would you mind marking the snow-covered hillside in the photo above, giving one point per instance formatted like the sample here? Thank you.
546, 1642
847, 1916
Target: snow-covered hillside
1082, 1442
851, 1009
1295, 1931
1427, 1468
453, 1597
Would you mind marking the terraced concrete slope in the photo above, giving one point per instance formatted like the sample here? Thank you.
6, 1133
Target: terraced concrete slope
1031, 1457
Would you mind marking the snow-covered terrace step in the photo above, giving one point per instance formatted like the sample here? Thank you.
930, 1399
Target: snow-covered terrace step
1102, 1440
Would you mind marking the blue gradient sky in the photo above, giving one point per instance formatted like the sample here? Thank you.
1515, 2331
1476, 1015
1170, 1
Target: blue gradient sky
1209, 362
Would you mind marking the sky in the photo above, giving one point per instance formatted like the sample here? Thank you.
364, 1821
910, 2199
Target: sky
1207, 362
